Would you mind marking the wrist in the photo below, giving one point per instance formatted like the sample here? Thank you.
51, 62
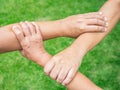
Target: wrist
67, 27
79, 50
42, 58
36, 57
62, 28
76, 52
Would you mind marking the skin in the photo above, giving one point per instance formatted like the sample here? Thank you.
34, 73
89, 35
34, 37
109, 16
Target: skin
71, 26
77, 24
112, 21
85, 42
32, 43
112, 15
92, 22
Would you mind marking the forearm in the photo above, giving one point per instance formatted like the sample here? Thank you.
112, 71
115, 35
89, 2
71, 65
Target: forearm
79, 82
87, 41
71, 26
9, 42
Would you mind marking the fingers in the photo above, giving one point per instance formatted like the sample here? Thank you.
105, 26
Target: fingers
55, 71
28, 28
94, 28
96, 25
93, 15
30, 39
22, 52
96, 22
19, 34
62, 74
93, 22
48, 67
25, 28
24, 31
97, 15
37, 30
24, 41
69, 76
31, 28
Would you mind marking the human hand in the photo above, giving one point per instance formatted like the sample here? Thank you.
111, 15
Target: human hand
30, 39
83, 23
63, 66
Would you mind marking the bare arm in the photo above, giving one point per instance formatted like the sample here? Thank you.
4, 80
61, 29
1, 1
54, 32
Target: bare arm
32, 48
79, 78
69, 60
71, 26
10, 43
87, 41
65, 59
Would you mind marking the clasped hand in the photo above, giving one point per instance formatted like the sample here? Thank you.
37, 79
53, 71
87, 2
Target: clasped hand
63, 66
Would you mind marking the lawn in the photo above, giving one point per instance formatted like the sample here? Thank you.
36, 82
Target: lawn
101, 65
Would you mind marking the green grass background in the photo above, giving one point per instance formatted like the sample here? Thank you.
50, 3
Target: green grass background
101, 65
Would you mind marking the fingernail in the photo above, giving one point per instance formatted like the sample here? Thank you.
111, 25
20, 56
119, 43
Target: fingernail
105, 29
106, 24
63, 84
58, 81
33, 23
100, 13
16, 29
106, 19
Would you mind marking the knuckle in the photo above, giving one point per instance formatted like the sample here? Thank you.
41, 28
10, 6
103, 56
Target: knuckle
75, 65
96, 21
59, 79
19, 34
23, 25
56, 58
98, 28
24, 44
70, 78
62, 61
66, 82
35, 39
82, 27
46, 71
31, 26
52, 76
98, 16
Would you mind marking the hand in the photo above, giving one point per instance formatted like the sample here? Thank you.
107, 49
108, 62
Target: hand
63, 66
30, 39
82, 23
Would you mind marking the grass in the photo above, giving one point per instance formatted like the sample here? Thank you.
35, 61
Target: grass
101, 65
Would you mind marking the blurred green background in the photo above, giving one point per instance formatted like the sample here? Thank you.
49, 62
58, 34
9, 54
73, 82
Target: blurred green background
101, 65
